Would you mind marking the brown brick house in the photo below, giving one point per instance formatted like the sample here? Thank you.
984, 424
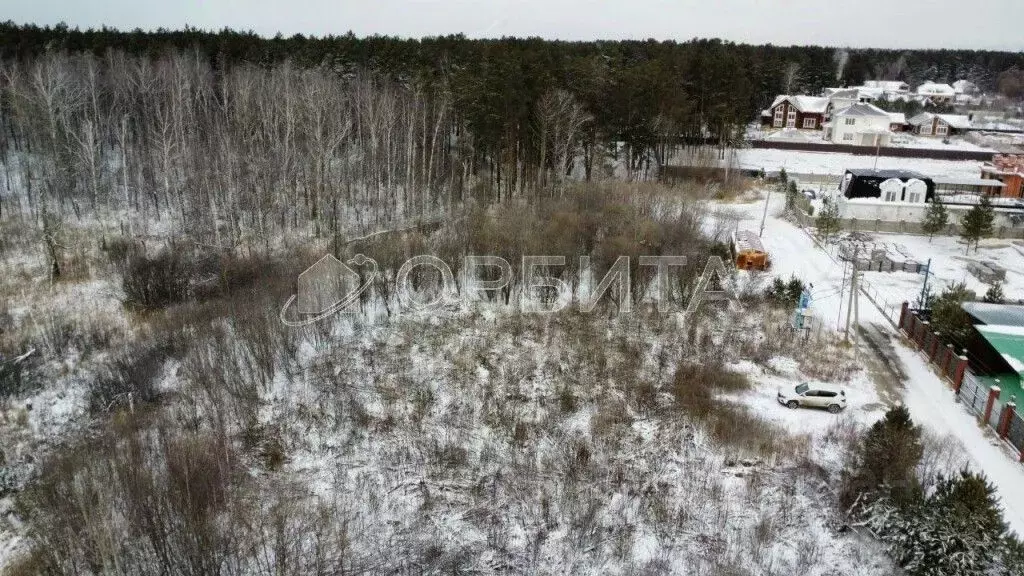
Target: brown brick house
939, 125
800, 112
1009, 170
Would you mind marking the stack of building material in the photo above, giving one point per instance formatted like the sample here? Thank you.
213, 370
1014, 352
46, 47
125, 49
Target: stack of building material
987, 272
998, 271
877, 258
895, 258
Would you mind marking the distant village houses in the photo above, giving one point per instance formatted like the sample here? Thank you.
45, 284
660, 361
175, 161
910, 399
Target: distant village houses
852, 115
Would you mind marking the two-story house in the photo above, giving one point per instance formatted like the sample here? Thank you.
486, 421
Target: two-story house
801, 112
860, 125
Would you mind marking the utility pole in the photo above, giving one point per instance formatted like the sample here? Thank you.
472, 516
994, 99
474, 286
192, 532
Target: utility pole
764, 216
853, 294
842, 294
924, 287
878, 148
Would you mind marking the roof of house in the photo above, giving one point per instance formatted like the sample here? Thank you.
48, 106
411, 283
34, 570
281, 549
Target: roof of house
970, 182
964, 86
1008, 341
954, 120
935, 89
1006, 164
911, 98
868, 173
996, 314
897, 118
887, 85
805, 104
861, 109
746, 240
842, 92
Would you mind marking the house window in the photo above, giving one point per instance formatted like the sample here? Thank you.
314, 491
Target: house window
926, 129
891, 196
791, 119
941, 130
851, 121
914, 197
848, 137
810, 122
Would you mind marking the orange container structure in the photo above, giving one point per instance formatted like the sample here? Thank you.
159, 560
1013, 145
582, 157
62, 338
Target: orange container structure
749, 252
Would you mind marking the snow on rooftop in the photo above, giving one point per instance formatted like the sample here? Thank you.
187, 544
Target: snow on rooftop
862, 109
1002, 329
935, 89
1000, 316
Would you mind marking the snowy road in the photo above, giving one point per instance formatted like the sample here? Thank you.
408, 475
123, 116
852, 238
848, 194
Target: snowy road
929, 399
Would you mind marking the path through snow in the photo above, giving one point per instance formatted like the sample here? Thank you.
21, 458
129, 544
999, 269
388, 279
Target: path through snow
929, 399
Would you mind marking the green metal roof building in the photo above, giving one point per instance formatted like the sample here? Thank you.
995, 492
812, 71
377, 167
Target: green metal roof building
997, 353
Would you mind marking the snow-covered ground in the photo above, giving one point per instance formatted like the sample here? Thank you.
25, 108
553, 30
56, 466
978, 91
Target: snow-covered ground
948, 266
908, 140
828, 163
930, 400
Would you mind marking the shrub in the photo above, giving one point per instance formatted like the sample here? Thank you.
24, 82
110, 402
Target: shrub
157, 282
694, 387
957, 531
885, 461
131, 377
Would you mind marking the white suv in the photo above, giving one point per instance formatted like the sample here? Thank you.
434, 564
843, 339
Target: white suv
814, 396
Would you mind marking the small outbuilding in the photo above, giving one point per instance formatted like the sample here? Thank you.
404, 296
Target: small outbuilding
887, 185
749, 252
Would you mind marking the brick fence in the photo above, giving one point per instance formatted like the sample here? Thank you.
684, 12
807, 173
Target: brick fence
980, 400
951, 365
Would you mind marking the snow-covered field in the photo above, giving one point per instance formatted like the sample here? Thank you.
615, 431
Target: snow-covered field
487, 440
907, 140
827, 163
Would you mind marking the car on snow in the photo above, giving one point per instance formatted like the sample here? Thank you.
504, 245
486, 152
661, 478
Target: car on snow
813, 396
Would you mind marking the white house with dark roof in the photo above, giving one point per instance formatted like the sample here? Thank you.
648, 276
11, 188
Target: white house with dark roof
860, 125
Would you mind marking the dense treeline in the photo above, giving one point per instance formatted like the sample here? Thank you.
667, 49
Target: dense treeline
241, 135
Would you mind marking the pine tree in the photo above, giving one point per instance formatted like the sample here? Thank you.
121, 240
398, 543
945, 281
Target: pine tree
935, 219
885, 460
977, 223
957, 531
988, 218
948, 316
828, 222
994, 294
